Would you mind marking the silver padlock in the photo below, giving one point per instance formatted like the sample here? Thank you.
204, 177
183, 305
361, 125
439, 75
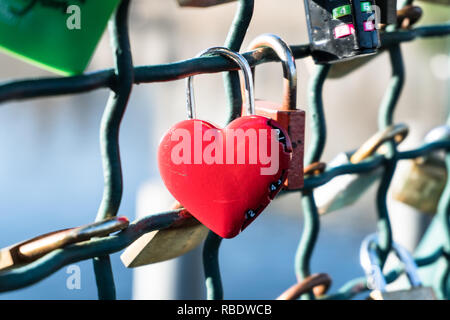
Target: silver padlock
376, 280
345, 189
420, 182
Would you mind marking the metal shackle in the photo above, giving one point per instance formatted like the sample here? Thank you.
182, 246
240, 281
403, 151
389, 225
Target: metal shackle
319, 283
284, 53
411, 267
248, 79
368, 260
396, 132
374, 273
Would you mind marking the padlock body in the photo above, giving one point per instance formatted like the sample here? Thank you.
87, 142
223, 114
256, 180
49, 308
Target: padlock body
293, 121
421, 183
166, 244
340, 29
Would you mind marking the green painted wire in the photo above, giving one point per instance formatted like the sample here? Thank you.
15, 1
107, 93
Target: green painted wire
109, 141
316, 114
443, 215
311, 228
311, 222
213, 281
31, 273
113, 114
54, 86
236, 34
233, 42
394, 89
368, 165
25, 89
385, 119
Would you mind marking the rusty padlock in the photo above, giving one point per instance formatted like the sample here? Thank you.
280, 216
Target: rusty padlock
421, 181
319, 283
345, 189
376, 280
165, 244
201, 3
287, 114
33, 249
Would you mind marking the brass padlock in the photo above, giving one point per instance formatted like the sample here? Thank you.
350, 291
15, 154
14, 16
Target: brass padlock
201, 3
421, 181
287, 114
345, 189
165, 244
376, 280
408, 15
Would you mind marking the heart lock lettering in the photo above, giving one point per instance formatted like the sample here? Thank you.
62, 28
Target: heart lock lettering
225, 177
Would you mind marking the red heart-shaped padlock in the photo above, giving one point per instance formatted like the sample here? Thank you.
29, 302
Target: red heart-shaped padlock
225, 177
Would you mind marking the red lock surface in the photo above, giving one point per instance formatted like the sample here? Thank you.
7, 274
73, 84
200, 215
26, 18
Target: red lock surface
226, 197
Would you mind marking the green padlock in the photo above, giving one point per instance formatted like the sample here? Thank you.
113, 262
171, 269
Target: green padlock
58, 35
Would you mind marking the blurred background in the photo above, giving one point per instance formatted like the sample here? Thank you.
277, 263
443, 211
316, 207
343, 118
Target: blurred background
51, 174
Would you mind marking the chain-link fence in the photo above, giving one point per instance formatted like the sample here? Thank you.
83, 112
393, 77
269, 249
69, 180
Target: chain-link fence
120, 81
